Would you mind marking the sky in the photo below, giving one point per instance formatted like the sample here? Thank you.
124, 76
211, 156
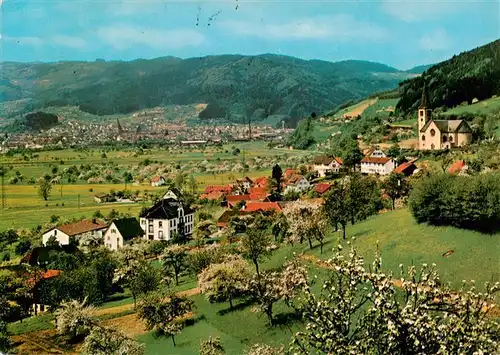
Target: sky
400, 33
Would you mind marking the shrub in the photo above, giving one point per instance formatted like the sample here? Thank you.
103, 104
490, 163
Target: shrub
471, 202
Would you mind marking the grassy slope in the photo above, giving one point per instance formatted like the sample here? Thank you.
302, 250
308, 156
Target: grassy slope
400, 240
483, 107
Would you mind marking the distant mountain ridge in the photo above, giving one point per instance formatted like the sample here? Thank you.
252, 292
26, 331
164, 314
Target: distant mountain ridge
235, 87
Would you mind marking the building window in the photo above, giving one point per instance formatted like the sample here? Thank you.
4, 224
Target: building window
432, 146
143, 221
433, 132
451, 138
160, 234
445, 139
422, 113
113, 231
423, 137
55, 232
150, 229
160, 224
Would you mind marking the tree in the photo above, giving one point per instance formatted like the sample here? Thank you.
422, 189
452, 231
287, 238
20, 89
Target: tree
276, 180
127, 178
193, 184
174, 261
211, 346
203, 231
394, 151
180, 180
270, 287
5, 310
104, 341
23, 246
164, 313
225, 281
360, 312
74, 318
351, 154
396, 186
256, 244
446, 161
280, 228
44, 188
337, 206
264, 349
52, 242
136, 273
306, 221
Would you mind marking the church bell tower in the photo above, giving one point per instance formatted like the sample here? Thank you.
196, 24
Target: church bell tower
424, 112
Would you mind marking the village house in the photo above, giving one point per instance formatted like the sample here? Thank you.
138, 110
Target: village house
102, 198
459, 167
261, 182
377, 162
158, 181
161, 221
122, 231
35, 282
440, 134
322, 188
173, 193
407, 169
245, 182
233, 200
223, 220
84, 229
325, 165
296, 183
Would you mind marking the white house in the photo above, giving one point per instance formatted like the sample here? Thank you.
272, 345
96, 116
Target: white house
325, 164
162, 220
296, 183
84, 229
377, 162
121, 231
158, 181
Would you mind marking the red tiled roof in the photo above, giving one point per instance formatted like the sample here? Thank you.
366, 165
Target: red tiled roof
237, 198
157, 179
217, 188
41, 275
258, 196
322, 188
294, 179
253, 206
257, 190
261, 182
212, 196
289, 172
456, 167
401, 168
339, 160
226, 217
382, 161
82, 226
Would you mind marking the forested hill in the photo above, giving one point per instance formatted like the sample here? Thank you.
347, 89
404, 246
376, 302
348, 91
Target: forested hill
234, 86
469, 75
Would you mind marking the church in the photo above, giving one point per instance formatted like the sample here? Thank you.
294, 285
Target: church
440, 134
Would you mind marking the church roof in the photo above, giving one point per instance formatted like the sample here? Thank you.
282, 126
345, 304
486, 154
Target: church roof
424, 101
449, 126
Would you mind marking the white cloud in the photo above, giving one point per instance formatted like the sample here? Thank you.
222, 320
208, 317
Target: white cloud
418, 10
439, 40
337, 28
124, 36
69, 41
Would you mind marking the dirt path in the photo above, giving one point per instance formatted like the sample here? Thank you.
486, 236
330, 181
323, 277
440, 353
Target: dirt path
37, 343
130, 306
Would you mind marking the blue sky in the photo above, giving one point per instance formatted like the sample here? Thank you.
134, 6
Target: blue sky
398, 33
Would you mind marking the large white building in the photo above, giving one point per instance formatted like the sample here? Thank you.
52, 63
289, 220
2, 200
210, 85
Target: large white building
161, 221
377, 162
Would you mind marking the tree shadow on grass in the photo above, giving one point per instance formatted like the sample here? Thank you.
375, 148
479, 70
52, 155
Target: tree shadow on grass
286, 319
242, 305
360, 233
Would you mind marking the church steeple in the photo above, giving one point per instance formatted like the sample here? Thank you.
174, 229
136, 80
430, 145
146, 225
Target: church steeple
424, 101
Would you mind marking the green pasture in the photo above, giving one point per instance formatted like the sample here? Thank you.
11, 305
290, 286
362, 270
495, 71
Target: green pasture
482, 107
